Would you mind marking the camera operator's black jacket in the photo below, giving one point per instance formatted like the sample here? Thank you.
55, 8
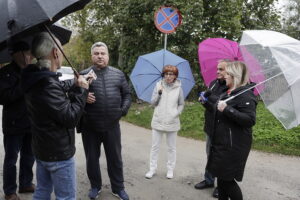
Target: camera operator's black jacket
52, 113
15, 119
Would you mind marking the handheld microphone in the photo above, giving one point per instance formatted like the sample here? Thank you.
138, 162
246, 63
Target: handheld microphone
204, 95
207, 93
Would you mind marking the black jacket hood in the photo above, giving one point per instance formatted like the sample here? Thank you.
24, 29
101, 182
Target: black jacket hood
33, 74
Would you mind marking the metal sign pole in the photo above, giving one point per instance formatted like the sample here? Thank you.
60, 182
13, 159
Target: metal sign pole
166, 36
165, 48
167, 19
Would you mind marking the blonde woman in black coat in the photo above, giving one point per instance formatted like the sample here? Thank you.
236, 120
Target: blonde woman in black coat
232, 133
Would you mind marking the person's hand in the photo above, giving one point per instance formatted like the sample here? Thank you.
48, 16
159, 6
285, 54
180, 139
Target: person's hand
82, 82
221, 105
91, 98
90, 76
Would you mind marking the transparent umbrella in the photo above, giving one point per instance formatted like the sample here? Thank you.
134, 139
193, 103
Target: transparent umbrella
279, 58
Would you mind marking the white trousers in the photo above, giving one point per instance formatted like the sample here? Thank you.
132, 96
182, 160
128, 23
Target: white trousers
171, 142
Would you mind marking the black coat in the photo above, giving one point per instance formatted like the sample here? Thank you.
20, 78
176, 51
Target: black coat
232, 136
113, 99
15, 119
217, 87
52, 113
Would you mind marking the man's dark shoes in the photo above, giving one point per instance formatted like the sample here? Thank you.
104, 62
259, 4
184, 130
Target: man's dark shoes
94, 193
203, 185
215, 193
121, 194
29, 189
11, 197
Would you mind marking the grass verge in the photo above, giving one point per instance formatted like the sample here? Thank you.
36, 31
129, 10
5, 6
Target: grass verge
268, 134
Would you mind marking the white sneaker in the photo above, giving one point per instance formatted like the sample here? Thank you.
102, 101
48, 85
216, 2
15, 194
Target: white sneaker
170, 174
150, 174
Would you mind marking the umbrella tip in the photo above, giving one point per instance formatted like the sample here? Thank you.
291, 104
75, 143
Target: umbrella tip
236, 58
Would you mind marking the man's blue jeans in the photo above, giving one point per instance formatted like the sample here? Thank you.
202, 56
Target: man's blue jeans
59, 176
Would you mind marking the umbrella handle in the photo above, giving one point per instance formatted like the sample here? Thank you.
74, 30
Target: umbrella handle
232, 97
74, 70
161, 84
257, 84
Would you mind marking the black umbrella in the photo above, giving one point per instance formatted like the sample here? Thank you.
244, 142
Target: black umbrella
62, 33
20, 18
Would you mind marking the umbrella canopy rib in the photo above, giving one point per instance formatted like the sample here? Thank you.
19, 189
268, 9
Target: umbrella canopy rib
225, 47
145, 75
154, 81
152, 65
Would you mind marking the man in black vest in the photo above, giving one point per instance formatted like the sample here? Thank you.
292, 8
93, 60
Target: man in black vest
16, 124
109, 99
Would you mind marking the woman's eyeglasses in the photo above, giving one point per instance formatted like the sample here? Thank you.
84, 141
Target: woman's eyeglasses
169, 74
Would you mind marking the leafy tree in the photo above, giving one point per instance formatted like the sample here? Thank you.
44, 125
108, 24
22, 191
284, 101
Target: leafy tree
127, 26
128, 29
259, 14
291, 18
222, 18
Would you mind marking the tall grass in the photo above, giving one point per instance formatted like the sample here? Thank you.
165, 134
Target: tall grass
268, 134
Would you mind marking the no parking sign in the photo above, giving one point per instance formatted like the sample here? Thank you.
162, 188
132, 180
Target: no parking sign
167, 19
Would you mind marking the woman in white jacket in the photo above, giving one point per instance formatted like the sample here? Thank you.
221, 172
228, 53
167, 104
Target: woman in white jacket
168, 100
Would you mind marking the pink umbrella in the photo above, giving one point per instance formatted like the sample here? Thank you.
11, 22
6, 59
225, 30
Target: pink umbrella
211, 50
255, 70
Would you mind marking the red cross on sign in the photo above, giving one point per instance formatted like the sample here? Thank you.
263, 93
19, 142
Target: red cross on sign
167, 19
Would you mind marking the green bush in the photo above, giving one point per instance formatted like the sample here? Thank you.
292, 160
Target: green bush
268, 134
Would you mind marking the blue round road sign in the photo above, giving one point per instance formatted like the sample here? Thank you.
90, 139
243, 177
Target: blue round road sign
167, 19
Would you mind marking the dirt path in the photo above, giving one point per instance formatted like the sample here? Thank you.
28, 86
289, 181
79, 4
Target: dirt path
267, 176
